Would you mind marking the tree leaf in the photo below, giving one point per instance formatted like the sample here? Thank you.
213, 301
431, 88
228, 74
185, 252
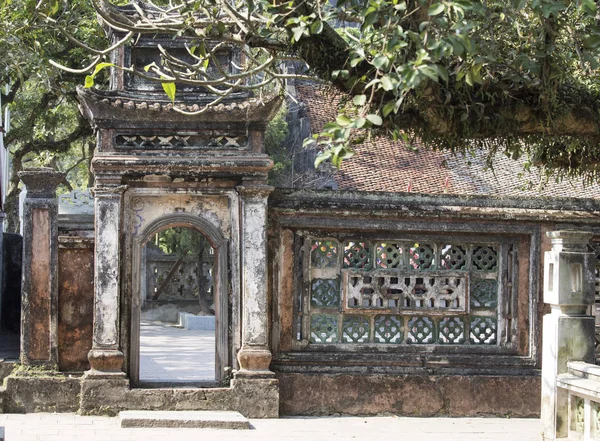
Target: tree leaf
322, 156
89, 80
429, 72
381, 62
359, 123
298, 32
435, 9
589, 6
316, 27
343, 120
386, 83
388, 108
442, 72
359, 100
170, 90
592, 42
375, 119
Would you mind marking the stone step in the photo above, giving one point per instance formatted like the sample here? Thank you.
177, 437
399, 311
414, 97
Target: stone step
183, 419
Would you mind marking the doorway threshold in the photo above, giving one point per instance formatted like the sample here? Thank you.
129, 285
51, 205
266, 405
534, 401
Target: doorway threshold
181, 385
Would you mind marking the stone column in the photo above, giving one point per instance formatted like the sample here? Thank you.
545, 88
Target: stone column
39, 304
568, 329
105, 357
254, 356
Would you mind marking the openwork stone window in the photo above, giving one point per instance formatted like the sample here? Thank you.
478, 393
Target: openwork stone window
404, 292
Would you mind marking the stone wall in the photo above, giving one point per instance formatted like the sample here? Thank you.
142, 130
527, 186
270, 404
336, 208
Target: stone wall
332, 356
75, 302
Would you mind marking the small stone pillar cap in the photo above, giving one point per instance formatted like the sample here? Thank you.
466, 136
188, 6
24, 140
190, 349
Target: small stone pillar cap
41, 182
570, 240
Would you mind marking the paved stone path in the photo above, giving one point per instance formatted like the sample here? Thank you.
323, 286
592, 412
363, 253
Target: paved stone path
168, 353
70, 427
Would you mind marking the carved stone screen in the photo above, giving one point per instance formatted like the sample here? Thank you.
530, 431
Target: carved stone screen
403, 292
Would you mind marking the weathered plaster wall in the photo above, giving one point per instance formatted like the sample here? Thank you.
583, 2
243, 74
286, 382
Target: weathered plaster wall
75, 302
145, 208
409, 395
39, 300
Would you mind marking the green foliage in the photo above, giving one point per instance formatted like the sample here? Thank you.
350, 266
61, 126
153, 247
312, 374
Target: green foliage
275, 135
170, 89
182, 241
46, 126
520, 76
456, 72
89, 80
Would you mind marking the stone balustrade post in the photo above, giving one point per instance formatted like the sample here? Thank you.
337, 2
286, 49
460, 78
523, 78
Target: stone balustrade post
39, 303
568, 331
254, 356
106, 357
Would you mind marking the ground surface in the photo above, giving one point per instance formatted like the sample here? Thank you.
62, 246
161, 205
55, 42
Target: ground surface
68, 427
168, 353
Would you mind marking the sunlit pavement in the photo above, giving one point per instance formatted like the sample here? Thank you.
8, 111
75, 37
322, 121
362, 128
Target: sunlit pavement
67, 427
168, 353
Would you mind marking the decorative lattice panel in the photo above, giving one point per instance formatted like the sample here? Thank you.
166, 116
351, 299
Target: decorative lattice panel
398, 292
357, 255
485, 258
422, 257
324, 328
410, 292
325, 293
484, 293
355, 329
483, 330
389, 255
324, 254
453, 257
388, 329
452, 330
421, 330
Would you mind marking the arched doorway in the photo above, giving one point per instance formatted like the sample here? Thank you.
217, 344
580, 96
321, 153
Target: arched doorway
179, 305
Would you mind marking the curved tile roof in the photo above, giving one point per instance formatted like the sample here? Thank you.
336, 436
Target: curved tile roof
381, 164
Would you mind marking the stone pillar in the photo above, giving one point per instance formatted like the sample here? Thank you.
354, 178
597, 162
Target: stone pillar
254, 356
568, 329
105, 357
39, 305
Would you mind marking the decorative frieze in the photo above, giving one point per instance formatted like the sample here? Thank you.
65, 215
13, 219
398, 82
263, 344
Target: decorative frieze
185, 141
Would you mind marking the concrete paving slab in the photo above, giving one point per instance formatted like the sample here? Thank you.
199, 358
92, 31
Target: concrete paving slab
67, 427
184, 419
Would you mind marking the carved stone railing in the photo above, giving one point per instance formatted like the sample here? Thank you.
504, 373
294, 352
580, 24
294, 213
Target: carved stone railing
582, 386
568, 388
